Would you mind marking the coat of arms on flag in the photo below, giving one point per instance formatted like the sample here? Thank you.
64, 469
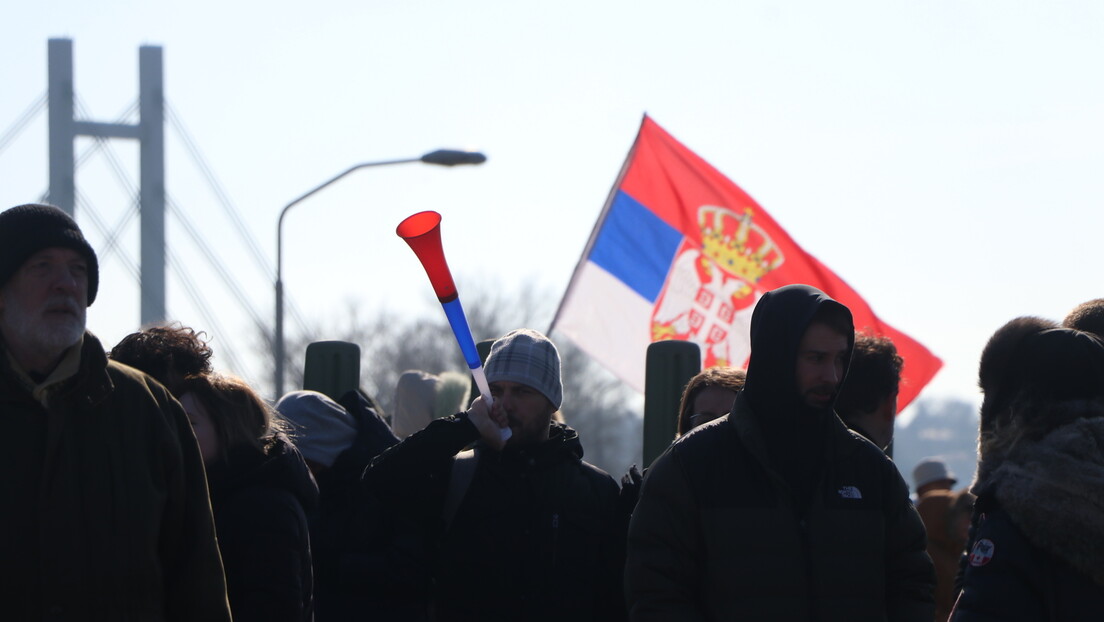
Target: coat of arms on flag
681, 252
711, 283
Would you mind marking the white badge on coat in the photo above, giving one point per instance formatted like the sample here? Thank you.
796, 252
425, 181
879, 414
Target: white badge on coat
982, 553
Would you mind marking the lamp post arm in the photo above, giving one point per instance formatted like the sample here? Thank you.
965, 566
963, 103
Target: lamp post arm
278, 346
441, 157
312, 192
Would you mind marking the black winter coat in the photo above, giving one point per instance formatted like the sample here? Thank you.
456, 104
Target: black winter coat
260, 500
537, 536
361, 566
1037, 548
716, 535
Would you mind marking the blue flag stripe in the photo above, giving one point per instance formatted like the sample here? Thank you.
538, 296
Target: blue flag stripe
636, 246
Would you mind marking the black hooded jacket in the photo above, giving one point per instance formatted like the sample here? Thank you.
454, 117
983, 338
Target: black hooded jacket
536, 535
259, 500
777, 511
361, 566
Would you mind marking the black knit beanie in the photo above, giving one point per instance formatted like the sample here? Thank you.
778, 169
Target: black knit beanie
27, 229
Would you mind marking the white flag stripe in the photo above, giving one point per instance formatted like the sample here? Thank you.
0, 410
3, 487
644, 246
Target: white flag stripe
609, 321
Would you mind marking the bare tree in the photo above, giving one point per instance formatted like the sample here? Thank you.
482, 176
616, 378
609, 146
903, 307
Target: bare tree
603, 410
600, 407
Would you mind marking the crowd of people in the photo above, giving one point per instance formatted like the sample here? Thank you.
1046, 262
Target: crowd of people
142, 484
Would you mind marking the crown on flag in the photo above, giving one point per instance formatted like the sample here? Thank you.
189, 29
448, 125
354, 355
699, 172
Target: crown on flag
738, 245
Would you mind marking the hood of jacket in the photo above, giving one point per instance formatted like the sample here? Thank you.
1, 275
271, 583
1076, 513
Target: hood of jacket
794, 434
280, 465
777, 326
1051, 488
373, 436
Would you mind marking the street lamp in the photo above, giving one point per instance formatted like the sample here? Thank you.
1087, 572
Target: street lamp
441, 157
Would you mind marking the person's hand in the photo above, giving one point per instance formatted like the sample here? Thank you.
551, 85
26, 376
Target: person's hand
630, 492
489, 423
633, 478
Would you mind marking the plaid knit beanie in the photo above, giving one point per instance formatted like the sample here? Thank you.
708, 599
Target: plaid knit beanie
526, 357
27, 229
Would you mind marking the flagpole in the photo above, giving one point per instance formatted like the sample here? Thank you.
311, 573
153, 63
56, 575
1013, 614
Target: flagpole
598, 224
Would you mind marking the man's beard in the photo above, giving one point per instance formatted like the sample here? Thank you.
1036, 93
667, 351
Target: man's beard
820, 397
50, 330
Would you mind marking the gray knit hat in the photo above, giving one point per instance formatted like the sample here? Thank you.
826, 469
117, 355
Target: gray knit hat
321, 428
27, 229
526, 357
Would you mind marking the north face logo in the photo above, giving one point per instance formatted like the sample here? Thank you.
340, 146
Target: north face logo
850, 492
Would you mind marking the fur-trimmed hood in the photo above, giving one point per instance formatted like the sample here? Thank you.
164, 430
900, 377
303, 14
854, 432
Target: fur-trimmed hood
1051, 487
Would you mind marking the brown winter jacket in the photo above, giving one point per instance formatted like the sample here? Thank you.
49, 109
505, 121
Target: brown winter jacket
106, 514
945, 546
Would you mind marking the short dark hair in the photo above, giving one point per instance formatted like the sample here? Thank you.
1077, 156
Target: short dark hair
874, 375
1088, 317
731, 378
169, 353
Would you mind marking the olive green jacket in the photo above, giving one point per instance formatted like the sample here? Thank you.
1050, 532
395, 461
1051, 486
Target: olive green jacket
105, 509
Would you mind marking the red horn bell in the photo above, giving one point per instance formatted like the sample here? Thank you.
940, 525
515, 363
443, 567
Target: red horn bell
422, 231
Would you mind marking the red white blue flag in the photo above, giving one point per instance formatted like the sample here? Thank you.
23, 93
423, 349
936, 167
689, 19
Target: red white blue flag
681, 252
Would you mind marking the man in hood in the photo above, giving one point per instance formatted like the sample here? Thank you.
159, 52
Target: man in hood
519, 529
777, 511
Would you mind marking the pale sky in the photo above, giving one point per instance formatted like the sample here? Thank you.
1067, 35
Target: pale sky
944, 157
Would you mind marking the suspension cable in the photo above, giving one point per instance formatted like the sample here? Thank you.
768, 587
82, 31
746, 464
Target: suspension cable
101, 226
131, 189
209, 253
201, 304
23, 121
220, 193
111, 245
228, 206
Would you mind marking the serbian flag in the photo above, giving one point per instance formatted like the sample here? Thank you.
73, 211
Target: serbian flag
681, 252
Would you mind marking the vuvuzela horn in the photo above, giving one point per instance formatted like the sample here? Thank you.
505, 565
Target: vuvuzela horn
422, 231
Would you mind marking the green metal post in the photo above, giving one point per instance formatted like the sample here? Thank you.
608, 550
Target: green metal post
332, 368
669, 366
